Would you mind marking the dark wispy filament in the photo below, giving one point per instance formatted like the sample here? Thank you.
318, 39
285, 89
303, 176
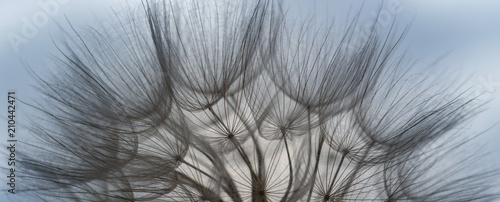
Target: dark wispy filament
229, 101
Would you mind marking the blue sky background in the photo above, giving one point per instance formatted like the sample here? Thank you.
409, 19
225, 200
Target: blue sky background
468, 30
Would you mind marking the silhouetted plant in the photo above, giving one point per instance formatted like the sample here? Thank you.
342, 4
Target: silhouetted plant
229, 101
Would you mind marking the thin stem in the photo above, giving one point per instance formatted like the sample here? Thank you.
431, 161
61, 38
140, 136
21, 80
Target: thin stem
196, 185
199, 170
236, 143
219, 119
260, 159
229, 191
336, 174
216, 162
290, 180
357, 168
295, 196
320, 146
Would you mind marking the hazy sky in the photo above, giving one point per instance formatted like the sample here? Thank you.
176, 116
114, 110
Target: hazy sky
468, 30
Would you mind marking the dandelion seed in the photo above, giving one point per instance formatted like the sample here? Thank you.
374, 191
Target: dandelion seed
229, 101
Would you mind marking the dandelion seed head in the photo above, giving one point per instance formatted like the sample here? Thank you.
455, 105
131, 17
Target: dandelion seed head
230, 101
